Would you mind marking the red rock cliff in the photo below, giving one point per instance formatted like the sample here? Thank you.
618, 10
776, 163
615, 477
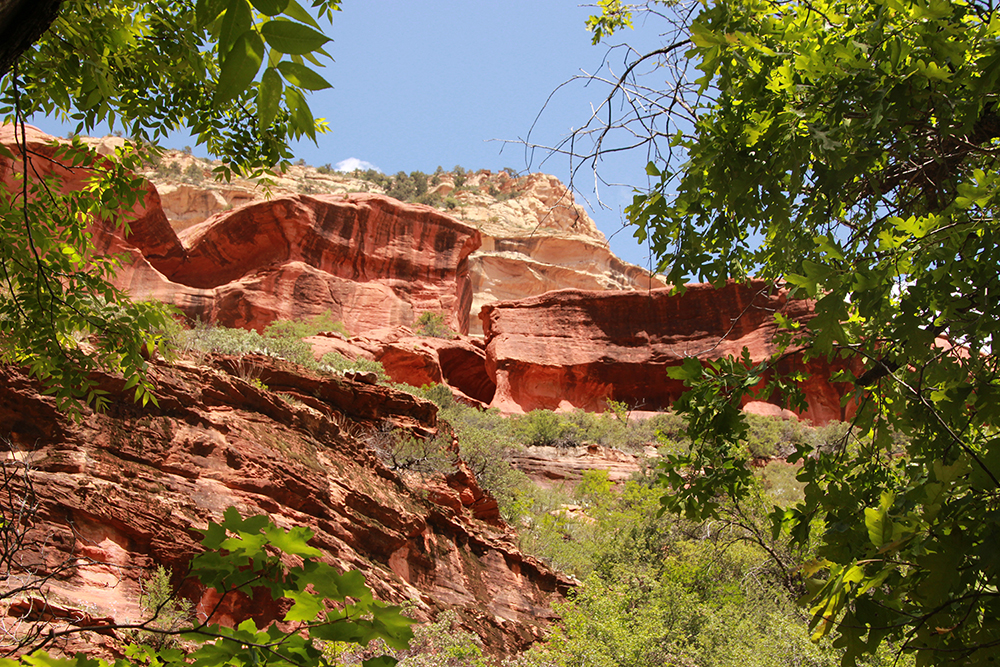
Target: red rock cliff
371, 260
577, 349
123, 491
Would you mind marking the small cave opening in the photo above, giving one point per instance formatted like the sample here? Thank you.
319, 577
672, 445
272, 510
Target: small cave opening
465, 370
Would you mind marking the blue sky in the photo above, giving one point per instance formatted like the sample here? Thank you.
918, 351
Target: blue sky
423, 83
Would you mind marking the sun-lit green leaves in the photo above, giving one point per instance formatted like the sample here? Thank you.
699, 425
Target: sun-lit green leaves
269, 96
148, 68
299, 75
848, 152
247, 553
293, 38
240, 67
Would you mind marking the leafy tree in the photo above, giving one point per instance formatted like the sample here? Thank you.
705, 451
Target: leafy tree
846, 151
232, 72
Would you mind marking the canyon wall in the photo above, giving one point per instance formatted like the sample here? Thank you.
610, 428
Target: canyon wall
574, 349
123, 491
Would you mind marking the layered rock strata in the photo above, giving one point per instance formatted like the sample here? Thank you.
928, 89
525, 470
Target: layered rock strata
576, 349
123, 491
370, 260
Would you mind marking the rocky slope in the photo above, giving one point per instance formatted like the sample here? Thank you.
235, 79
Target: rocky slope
120, 492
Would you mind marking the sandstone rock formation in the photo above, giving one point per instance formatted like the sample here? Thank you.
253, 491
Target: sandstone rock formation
122, 491
369, 260
535, 237
575, 349
557, 466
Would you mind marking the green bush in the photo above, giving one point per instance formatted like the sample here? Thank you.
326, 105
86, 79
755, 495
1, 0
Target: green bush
772, 436
194, 173
541, 428
439, 394
305, 328
401, 451
486, 443
336, 362
433, 325
210, 339
444, 644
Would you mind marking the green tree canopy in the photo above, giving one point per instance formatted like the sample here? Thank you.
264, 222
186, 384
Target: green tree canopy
847, 151
234, 73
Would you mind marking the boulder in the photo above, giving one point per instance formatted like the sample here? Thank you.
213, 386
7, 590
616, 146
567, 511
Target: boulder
416, 360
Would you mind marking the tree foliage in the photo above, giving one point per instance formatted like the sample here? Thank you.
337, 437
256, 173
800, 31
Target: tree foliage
847, 151
232, 72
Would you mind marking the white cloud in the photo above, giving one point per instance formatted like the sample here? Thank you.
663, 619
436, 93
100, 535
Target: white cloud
352, 163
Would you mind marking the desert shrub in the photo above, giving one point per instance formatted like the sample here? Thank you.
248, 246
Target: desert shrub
305, 328
168, 169
571, 429
773, 436
459, 175
541, 428
594, 487
401, 451
439, 394
210, 339
486, 443
488, 455
336, 362
431, 199
167, 611
433, 325
325, 169
444, 644
194, 173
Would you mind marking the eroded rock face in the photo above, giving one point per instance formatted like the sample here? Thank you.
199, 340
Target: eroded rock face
122, 491
575, 349
370, 260
459, 362
538, 241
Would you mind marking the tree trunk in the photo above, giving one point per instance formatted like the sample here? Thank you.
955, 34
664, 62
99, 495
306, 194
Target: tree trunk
21, 23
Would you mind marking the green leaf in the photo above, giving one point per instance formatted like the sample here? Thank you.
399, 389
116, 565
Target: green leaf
236, 21
690, 369
301, 76
292, 38
305, 607
295, 11
302, 118
270, 7
293, 541
207, 11
239, 68
269, 96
